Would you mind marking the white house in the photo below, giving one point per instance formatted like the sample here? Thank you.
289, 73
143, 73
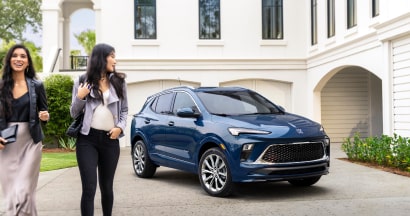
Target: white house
345, 64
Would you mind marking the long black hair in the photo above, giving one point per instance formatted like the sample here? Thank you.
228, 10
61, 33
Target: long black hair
97, 65
7, 82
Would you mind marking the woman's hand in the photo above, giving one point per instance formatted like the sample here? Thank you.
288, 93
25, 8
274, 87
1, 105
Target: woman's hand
2, 140
83, 90
44, 115
115, 133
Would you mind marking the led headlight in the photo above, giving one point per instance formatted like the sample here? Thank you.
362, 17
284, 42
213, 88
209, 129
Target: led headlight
237, 131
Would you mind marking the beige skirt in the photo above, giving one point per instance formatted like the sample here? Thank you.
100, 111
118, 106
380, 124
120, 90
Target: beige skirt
19, 172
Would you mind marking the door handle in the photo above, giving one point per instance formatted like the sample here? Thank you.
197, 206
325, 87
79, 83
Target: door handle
147, 121
171, 123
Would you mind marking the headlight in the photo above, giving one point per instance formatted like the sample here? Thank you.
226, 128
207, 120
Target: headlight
237, 131
322, 129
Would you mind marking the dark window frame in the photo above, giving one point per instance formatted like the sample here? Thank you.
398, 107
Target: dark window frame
272, 20
313, 21
209, 20
142, 8
351, 13
331, 23
375, 8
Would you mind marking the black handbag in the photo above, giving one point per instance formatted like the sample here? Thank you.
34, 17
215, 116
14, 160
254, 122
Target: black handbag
9, 134
74, 129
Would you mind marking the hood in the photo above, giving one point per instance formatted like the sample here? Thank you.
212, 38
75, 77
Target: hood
280, 125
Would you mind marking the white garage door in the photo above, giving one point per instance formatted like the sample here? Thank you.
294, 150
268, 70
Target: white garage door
277, 92
345, 104
138, 92
401, 86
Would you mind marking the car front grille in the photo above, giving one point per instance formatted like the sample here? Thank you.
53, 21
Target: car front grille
293, 152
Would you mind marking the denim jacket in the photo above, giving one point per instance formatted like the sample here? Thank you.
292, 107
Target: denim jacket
118, 107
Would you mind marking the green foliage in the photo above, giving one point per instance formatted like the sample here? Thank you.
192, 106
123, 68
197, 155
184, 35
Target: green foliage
16, 16
67, 144
384, 150
58, 89
54, 161
34, 52
86, 39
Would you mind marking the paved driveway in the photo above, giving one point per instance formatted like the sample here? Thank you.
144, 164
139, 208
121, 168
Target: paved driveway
349, 189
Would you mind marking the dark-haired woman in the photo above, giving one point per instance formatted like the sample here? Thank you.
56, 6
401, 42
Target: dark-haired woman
23, 102
102, 96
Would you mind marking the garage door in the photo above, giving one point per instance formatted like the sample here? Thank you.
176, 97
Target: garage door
401, 86
345, 104
138, 92
277, 92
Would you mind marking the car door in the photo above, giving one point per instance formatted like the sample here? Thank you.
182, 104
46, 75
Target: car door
156, 122
182, 133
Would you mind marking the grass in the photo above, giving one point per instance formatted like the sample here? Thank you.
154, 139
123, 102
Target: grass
57, 160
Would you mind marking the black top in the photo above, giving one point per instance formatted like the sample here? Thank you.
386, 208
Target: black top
21, 109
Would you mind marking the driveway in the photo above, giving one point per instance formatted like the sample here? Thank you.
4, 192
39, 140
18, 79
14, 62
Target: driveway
349, 189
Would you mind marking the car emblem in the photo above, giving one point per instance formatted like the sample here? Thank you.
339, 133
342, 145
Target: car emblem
299, 131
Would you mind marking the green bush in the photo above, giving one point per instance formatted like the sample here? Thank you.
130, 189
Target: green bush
58, 89
384, 150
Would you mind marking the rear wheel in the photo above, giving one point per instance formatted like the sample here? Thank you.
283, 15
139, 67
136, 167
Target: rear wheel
142, 164
305, 181
214, 173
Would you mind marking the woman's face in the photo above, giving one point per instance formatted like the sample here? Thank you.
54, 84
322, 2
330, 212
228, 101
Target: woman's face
19, 60
111, 62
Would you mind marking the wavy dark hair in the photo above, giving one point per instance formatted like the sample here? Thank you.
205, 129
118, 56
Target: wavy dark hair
97, 65
7, 83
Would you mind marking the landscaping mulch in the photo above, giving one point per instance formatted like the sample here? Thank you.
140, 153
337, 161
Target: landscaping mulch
376, 166
56, 150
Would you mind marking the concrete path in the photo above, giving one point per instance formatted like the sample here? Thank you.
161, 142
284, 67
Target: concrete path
349, 189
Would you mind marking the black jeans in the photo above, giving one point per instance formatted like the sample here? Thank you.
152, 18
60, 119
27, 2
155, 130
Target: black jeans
97, 150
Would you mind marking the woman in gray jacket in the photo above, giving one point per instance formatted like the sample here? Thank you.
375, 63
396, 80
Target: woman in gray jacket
101, 94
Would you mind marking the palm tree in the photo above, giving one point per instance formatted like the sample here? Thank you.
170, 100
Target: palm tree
86, 39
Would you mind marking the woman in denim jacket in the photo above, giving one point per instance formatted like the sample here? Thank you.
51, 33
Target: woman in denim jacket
102, 96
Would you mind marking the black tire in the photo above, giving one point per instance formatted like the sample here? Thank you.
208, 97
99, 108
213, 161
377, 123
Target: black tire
142, 164
304, 182
214, 173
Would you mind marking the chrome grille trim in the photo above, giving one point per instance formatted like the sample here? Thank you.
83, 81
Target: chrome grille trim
292, 153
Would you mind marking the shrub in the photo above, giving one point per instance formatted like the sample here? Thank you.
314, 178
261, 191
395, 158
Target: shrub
384, 150
58, 89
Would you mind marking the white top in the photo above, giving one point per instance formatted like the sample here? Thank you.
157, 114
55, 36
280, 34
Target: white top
102, 117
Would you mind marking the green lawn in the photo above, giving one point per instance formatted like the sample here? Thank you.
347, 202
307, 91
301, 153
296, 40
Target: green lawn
57, 160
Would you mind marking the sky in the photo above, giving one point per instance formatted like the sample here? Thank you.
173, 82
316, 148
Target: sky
81, 20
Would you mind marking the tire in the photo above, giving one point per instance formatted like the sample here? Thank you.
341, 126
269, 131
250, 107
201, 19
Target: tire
142, 164
305, 182
214, 173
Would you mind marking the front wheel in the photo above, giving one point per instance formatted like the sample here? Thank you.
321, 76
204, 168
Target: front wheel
305, 181
142, 164
214, 173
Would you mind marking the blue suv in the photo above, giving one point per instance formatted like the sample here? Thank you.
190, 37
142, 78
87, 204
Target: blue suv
227, 135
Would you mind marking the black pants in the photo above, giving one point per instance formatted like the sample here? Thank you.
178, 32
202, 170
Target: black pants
97, 150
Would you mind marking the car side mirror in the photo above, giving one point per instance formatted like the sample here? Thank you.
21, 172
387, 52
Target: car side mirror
281, 108
187, 112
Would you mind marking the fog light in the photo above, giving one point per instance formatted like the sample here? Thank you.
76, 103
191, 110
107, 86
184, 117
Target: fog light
246, 151
247, 147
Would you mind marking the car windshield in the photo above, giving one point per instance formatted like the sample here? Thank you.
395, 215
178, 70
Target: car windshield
227, 103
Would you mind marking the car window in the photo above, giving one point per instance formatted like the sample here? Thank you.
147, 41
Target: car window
183, 100
162, 103
236, 103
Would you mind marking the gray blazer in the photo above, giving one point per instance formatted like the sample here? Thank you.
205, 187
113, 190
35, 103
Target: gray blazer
118, 107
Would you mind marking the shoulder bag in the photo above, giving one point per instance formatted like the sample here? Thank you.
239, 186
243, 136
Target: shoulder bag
74, 129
